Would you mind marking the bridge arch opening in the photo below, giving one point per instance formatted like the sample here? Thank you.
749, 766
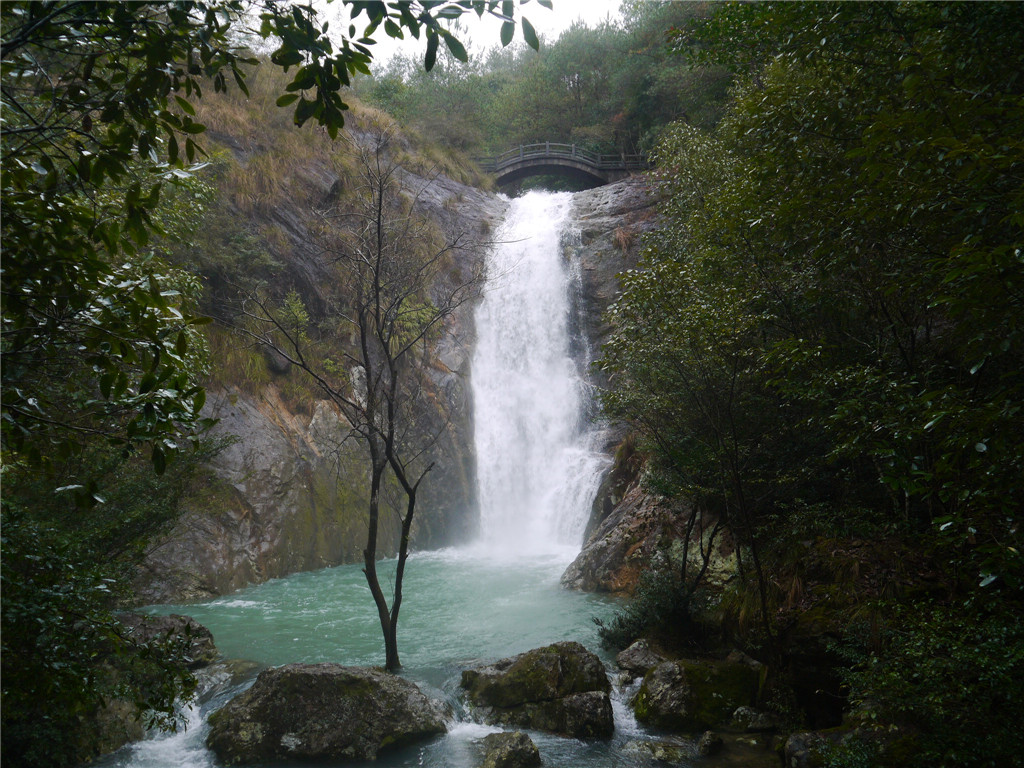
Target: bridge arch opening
576, 178
580, 166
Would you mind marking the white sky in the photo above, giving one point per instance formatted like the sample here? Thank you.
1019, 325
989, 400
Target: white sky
484, 33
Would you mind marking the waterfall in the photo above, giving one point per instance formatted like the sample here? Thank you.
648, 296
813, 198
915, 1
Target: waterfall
538, 462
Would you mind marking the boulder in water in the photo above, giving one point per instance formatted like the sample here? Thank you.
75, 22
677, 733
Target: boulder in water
561, 688
692, 696
322, 712
510, 750
638, 659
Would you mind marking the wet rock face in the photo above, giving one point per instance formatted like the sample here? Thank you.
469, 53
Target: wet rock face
611, 220
750, 720
732, 749
273, 503
284, 497
638, 659
322, 712
510, 750
603, 240
626, 543
561, 688
692, 696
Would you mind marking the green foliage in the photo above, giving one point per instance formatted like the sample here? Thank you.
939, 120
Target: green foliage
660, 605
851, 752
97, 338
952, 675
794, 295
293, 320
830, 319
65, 656
608, 88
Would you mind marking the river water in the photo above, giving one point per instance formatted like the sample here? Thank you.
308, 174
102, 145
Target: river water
539, 468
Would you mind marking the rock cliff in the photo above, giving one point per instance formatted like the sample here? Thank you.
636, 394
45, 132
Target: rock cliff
611, 221
287, 493
272, 502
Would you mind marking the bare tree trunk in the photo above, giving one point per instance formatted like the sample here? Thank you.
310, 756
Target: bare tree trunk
391, 630
391, 662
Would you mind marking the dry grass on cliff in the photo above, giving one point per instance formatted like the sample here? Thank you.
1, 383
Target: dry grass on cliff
271, 176
243, 365
269, 161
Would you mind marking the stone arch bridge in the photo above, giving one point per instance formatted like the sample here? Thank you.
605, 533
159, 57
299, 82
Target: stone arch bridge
550, 158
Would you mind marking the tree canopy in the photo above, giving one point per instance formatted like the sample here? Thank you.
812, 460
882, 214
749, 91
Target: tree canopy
825, 334
609, 87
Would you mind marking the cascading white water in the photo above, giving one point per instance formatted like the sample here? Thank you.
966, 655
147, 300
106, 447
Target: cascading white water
537, 463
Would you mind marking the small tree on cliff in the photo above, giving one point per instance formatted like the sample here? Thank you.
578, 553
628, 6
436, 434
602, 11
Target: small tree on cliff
397, 284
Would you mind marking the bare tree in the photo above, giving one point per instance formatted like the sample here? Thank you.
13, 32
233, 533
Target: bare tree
396, 287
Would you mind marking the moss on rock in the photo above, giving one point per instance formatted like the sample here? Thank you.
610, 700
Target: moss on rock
322, 712
561, 688
692, 696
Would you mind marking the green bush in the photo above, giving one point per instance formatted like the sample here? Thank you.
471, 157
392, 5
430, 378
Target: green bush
661, 606
951, 675
65, 571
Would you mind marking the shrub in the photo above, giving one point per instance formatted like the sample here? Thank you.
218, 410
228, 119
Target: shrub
661, 606
954, 676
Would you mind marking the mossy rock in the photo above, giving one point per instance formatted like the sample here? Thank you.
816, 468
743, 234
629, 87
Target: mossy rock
542, 674
561, 688
692, 696
510, 750
322, 712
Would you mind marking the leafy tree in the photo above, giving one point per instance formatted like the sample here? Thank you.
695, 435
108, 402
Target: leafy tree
832, 308
94, 93
658, 84
610, 88
66, 655
952, 675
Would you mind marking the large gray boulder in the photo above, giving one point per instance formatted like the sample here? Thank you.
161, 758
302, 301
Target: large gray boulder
322, 712
561, 688
693, 696
510, 750
638, 659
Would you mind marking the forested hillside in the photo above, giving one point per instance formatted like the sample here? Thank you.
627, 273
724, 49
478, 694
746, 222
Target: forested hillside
822, 351
607, 87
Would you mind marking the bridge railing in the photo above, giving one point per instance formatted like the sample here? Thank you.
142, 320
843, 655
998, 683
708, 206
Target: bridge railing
553, 150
